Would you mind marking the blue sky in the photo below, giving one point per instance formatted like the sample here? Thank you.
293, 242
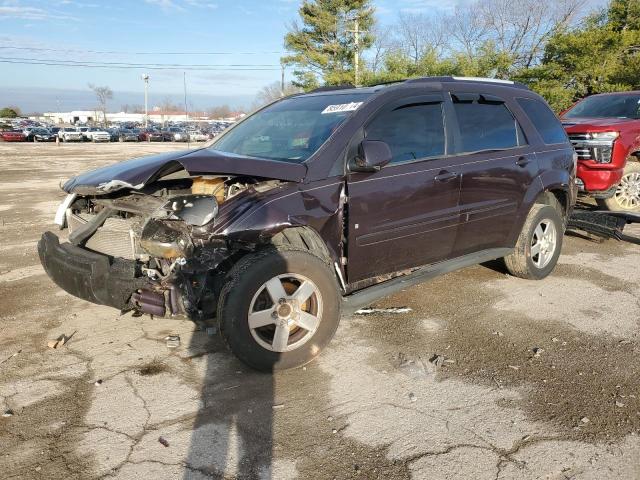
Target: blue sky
252, 30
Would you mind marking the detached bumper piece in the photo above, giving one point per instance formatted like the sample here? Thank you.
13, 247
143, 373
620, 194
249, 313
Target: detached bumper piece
88, 275
604, 224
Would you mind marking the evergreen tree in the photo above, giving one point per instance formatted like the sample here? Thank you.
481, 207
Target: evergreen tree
323, 49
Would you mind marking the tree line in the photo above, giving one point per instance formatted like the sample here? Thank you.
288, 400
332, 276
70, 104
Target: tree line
553, 46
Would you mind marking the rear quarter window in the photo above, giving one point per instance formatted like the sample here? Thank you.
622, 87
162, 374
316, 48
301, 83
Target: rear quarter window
544, 120
486, 125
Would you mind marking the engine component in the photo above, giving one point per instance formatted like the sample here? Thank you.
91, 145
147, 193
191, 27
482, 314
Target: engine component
166, 239
209, 186
195, 210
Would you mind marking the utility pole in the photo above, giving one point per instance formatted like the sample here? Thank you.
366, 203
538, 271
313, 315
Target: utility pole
145, 77
186, 109
282, 78
356, 60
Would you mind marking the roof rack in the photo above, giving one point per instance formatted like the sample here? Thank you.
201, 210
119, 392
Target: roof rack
329, 88
499, 81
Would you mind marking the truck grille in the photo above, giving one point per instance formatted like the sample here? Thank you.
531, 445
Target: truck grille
583, 151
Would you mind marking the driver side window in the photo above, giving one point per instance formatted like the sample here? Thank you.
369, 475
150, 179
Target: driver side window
412, 132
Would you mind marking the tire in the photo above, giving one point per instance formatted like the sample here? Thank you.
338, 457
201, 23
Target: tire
521, 263
246, 288
627, 195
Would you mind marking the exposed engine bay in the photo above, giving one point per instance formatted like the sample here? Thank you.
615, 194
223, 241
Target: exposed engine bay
164, 232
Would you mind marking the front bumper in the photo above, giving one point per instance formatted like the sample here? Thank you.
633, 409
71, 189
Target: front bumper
598, 178
88, 275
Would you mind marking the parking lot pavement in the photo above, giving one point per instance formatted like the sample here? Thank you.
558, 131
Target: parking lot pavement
487, 376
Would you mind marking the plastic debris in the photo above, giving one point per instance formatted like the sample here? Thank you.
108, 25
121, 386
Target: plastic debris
58, 342
372, 311
173, 341
7, 413
163, 441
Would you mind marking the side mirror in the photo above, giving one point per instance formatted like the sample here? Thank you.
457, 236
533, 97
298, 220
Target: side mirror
372, 156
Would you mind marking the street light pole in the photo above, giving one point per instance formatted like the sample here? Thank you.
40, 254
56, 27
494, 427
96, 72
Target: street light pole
145, 77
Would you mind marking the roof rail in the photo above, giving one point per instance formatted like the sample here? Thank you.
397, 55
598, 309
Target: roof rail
328, 88
446, 79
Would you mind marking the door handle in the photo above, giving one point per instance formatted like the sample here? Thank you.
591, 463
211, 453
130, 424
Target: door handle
523, 161
445, 176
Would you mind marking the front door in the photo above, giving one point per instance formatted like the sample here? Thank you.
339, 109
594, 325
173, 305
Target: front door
406, 214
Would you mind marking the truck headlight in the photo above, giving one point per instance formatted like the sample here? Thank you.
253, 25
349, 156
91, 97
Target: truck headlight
596, 145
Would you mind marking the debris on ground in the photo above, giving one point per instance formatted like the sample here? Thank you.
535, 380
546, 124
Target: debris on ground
585, 420
60, 341
413, 397
8, 413
499, 334
173, 341
413, 367
98, 382
278, 406
437, 360
555, 339
10, 357
163, 441
537, 351
514, 367
619, 404
372, 311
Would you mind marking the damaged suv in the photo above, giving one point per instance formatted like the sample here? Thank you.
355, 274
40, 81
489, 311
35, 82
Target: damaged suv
318, 204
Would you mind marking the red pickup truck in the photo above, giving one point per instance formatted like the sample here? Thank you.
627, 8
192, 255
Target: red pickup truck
605, 132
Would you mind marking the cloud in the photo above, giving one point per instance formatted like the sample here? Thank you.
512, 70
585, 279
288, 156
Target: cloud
166, 5
31, 13
201, 4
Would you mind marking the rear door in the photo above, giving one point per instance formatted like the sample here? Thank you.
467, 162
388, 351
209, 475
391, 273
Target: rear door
405, 214
497, 167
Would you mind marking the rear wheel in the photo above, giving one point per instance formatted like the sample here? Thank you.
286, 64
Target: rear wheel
279, 308
539, 244
627, 195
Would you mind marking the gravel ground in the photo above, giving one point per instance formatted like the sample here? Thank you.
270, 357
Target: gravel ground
533, 379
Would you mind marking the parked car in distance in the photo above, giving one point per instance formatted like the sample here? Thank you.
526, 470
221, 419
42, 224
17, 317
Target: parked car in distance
95, 134
437, 173
54, 130
12, 136
125, 135
150, 135
175, 134
196, 136
84, 131
605, 132
70, 134
40, 135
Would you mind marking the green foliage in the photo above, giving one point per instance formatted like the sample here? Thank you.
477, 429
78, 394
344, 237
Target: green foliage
602, 55
323, 48
8, 112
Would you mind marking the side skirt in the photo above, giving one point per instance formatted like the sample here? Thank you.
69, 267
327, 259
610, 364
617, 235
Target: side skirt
369, 295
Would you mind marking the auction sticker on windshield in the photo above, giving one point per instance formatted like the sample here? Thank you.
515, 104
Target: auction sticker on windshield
343, 107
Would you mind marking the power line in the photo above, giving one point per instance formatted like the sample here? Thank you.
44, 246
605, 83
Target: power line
107, 52
141, 65
132, 67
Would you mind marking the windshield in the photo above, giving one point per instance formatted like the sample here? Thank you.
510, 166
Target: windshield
607, 106
292, 129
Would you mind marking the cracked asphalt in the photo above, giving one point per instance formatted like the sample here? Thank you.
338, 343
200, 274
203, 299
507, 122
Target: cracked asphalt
534, 379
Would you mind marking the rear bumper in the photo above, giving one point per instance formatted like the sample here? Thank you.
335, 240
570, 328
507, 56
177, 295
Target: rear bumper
88, 275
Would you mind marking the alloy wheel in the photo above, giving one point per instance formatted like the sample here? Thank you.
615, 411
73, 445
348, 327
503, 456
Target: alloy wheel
285, 312
628, 192
543, 243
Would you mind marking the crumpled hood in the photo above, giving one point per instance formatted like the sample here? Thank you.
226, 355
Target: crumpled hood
139, 172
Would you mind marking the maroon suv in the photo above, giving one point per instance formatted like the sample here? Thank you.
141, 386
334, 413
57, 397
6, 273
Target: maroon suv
321, 203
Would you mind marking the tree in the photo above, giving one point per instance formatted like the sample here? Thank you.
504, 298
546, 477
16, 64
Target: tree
9, 112
323, 49
272, 92
600, 55
221, 111
103, 95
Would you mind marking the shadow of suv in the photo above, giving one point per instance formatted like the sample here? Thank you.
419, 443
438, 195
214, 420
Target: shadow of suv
318, 204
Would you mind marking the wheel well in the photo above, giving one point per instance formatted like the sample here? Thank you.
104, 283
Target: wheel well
635, 156
554, 198
303, 238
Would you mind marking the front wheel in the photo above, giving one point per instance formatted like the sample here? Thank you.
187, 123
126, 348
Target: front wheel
627, 195
279, 308
539, 244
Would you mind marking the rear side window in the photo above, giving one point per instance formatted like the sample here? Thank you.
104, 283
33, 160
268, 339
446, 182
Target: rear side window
486, 126
411, 131
544, 120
